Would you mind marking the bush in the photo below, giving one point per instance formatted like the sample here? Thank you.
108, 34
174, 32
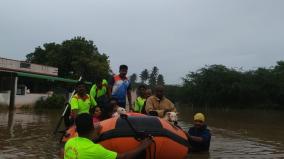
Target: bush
53, 102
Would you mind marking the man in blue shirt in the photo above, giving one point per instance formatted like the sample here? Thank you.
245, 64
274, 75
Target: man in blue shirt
199, 135
120, 87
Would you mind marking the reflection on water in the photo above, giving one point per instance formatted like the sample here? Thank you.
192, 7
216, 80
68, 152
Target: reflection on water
236, 133
27, 135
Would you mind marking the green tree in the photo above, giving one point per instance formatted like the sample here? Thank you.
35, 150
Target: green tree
73, 58
133, 78
144, 76
278, 72
153, 76
160, 80
217, 85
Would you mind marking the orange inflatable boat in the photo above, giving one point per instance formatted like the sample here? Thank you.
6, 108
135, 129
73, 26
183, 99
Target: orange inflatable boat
122, 134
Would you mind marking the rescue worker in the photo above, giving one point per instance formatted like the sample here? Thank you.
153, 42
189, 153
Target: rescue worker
99, 93
148, 93
99, 90
140, 100
81, 102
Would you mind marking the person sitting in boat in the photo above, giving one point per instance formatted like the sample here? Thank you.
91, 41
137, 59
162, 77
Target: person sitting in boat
148, 93
81, 102
140, 100
158, 103
97, 117
199, 135
99, 92
82, 147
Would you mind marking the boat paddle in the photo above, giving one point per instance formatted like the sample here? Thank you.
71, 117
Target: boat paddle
65, 110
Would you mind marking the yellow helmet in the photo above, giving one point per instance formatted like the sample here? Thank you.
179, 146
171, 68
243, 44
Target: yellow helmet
199, 116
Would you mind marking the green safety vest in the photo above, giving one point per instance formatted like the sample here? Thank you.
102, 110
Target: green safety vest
82, 105
83, 148
96, 93
139, 103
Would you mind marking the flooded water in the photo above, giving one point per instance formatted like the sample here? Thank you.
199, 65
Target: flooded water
241, 133
235, 133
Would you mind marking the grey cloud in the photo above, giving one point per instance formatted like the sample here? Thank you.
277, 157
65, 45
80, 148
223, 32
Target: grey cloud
177, 36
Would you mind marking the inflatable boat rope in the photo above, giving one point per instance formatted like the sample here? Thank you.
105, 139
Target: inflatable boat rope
140, 135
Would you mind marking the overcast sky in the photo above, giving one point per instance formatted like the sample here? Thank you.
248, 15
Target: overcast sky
178, 36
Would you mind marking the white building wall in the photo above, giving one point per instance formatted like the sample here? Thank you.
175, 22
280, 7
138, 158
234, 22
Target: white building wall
28, 99
21, 66
20, 100
5, 98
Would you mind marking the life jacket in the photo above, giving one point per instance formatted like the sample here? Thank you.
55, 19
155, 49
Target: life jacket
95, 92
82, 104
138, 104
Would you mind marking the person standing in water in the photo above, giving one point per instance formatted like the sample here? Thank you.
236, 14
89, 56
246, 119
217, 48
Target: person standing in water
199, 135
120, 86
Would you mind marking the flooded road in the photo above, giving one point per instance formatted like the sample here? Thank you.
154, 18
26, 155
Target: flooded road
28, 134
236, 133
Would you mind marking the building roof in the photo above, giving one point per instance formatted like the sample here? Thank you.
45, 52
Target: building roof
50, 78
46, 77
23, 66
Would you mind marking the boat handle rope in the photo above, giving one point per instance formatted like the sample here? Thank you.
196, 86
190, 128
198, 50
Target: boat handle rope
140, 135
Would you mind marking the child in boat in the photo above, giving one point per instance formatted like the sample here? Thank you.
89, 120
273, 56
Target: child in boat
97, 114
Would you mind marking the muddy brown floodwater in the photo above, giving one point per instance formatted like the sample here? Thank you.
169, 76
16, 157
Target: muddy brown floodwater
235, 133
